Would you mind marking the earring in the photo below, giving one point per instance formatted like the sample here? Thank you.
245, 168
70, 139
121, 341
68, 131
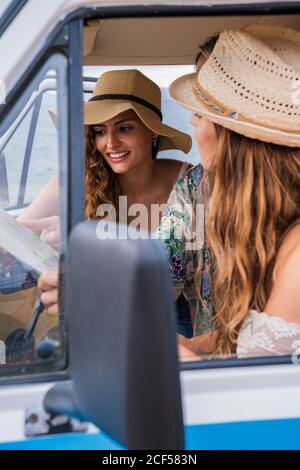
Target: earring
154, 139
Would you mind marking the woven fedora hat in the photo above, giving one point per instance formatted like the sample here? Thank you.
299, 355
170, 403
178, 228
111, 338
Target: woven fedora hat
117, 91
249, 84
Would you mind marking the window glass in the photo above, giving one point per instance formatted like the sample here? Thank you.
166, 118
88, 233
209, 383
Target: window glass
32, 206
43, 161
12, 157
31, 152
259, 334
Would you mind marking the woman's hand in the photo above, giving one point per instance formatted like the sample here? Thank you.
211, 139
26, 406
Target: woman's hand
198, 345
48, 284
184, 352
48, 228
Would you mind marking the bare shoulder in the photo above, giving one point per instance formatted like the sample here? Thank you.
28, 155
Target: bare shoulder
284, 300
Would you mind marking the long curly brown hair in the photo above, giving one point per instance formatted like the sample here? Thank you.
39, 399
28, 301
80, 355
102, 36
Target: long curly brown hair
101, 184
255, 199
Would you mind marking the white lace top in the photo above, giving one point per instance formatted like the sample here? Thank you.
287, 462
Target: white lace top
265, 335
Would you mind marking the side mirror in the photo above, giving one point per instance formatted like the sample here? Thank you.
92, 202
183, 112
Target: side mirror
122, 339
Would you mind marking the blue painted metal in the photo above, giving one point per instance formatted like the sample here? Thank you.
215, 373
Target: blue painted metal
281, 434
274, 434
98, 441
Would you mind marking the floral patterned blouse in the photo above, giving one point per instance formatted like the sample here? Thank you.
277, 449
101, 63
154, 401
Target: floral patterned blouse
182, 233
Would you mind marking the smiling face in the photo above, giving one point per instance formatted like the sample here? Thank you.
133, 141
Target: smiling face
124, 142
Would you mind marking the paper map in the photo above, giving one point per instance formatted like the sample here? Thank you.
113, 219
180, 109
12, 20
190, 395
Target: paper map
26, 245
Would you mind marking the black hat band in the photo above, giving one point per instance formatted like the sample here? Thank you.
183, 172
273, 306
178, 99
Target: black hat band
124, 97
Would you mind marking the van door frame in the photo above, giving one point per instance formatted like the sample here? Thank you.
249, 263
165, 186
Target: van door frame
65, 38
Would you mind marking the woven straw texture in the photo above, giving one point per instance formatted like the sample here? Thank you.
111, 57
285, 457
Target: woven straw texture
250, 77
249, 84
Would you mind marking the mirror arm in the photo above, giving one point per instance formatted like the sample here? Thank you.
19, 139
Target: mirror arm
59, 400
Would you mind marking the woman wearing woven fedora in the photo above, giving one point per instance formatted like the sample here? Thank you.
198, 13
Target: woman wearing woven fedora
243, 279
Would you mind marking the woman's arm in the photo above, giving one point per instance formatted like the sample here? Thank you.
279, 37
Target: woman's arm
276, 331
41, 216
185, 354
284, 300
45, 204
199, 345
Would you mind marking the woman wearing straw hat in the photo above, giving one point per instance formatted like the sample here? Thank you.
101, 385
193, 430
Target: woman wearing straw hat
244, 279
124, 133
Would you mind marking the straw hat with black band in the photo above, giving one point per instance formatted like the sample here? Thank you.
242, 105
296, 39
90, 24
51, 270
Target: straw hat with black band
249, 84
117, 91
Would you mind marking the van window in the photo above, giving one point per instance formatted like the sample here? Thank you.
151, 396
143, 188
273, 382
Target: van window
32, 142
122, 44
31, 152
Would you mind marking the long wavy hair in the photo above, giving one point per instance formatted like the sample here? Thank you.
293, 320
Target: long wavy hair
101, 183
254, 201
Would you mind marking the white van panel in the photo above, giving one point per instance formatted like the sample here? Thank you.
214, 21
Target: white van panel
240, 394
